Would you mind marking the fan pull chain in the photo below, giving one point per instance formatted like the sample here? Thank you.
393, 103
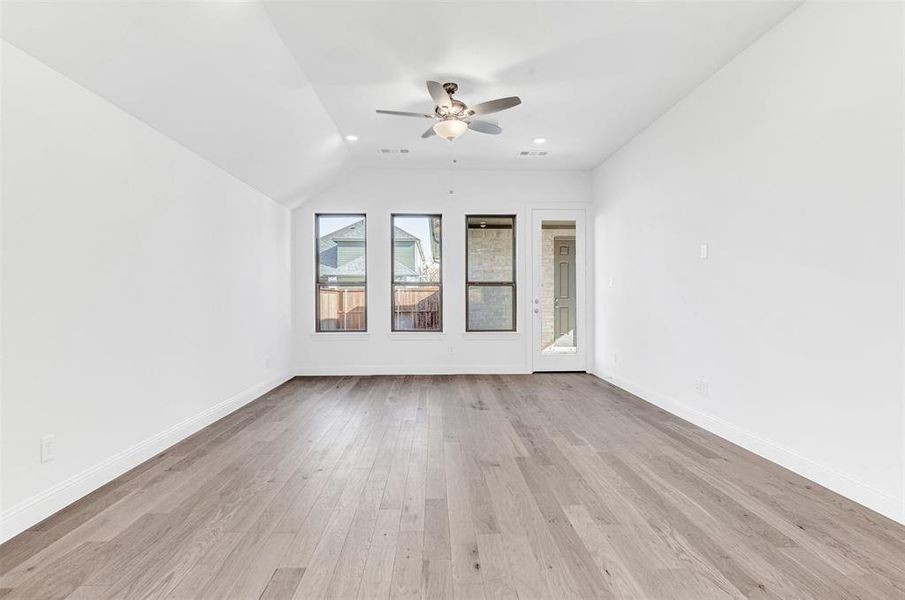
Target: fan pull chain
453, 162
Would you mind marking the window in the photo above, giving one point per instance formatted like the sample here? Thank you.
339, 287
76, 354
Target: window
490, 268
341, 273
417, 279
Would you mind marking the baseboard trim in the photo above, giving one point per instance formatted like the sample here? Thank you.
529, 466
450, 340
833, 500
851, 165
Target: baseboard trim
845, 485
352, 370
37, 508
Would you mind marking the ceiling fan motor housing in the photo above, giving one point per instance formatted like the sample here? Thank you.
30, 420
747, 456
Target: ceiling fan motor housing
457, 109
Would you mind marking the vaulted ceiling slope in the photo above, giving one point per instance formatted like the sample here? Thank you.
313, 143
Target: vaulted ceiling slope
213, 76
267, 91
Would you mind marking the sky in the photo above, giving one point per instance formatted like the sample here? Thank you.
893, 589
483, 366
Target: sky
329, 224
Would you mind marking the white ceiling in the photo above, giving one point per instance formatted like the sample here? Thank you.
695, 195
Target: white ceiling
590, 75
213, 76
267, 91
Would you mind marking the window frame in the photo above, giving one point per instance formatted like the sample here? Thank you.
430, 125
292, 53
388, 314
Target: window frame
513, 284
317, 275
394, 283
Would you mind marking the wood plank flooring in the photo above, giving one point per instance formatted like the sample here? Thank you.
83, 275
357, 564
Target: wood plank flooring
535, 486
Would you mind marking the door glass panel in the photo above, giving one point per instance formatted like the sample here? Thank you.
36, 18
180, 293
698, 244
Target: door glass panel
557, 289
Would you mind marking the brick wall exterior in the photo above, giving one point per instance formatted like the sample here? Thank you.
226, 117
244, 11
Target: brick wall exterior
490, 259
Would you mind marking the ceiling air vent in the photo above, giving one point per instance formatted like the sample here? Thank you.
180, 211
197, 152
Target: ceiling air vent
533, 153
394, 150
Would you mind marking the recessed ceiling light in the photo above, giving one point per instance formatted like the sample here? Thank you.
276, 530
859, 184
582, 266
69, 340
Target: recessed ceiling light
539, 140
352, 138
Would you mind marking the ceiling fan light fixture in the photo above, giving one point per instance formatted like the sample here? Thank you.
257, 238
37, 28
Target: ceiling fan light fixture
450, 129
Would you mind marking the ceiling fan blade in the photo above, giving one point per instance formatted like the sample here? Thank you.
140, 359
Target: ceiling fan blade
492, 106
428, 133
438, 93
485, 127
401, 113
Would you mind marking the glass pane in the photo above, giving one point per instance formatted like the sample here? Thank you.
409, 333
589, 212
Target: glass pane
490, 308
416, 249
416, 308
342, 246
490, 249
557, 300
341, 308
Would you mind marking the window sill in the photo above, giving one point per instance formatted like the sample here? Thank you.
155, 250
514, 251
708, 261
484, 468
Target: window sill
492, 335
323, 336
413, 336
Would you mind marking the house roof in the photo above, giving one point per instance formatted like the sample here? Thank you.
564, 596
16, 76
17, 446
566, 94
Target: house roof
401, 269
402, 234
353, 267
356, 233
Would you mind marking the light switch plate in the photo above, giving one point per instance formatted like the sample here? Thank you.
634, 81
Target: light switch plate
705, 251
48, 450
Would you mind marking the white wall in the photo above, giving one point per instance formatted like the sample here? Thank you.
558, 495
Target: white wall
789, 164
378, 193
145, 291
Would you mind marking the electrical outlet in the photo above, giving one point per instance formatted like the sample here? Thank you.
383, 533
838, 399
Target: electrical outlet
615, 358
266, 362
48, 450
701, 386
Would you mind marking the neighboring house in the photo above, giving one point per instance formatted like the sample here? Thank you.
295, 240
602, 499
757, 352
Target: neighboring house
409, 255
342, 256
342, 260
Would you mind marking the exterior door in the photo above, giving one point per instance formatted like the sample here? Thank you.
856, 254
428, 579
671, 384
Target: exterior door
558, 307
564, 292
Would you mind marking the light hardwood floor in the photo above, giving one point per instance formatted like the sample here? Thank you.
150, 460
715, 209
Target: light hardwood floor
536, 486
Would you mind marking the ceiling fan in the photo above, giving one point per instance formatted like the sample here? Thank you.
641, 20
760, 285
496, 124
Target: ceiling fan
453, 117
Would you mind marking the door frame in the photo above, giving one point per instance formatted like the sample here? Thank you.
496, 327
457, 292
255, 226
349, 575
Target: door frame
559, 362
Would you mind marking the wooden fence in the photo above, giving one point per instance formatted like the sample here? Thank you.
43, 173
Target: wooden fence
342, 309
416, 308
